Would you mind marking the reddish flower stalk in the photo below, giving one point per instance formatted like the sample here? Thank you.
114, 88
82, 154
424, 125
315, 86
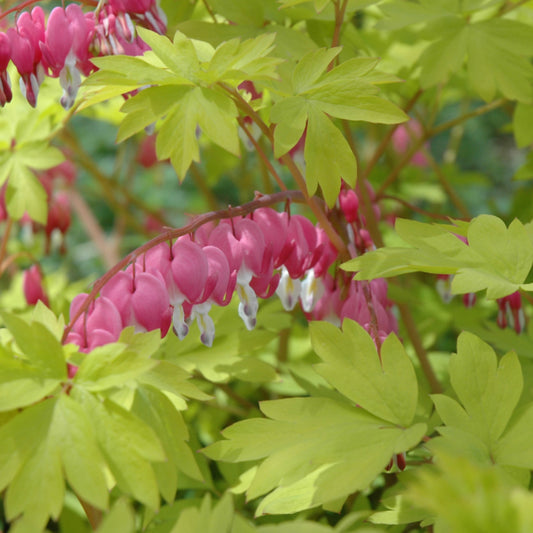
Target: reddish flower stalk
28, 3
170, 235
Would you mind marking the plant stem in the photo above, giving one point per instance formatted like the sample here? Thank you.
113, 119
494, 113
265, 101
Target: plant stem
5, 239
412, 331
110, 186
462, 118
405, 313
93, 515
404, 161
340, 10
243, 402
262, 155
286, 159
510, 6
415, 208
283, 345
454, 197
27, 3
108, 252
380, 150
210, 11
391, 178
107, 185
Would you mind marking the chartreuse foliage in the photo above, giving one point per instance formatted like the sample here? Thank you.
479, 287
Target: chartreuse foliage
185, 79
206, 516
346, 92
114, 423
497, 50
188, 84
24, 147
465, 497
482, 453
318, 450
488, 393
497, 258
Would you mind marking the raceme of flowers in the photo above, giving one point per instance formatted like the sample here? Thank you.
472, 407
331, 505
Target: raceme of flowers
63, 46
266, 252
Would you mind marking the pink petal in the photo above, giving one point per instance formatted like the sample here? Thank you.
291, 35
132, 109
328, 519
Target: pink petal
189, 269
150, 301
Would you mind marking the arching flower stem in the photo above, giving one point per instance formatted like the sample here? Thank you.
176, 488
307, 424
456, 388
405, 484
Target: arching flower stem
27, 3
174, 233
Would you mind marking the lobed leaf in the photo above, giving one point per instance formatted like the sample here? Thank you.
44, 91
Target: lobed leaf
327, 162
496, 258
523, 124
384, 385
25, 194
488, 391
128, 445
121, 519
484, 427
316, 451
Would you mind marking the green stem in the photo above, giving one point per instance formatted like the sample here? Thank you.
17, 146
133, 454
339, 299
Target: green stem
415, 208
283, 345
210, 11
452, 195
391, 178
405, 313
463, 118
108, 252
262, 156
109, 187
380, 150
243, 402
414, 336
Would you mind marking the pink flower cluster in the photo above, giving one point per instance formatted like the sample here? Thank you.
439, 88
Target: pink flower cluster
510, 312
255, 256
365, 302
63, 46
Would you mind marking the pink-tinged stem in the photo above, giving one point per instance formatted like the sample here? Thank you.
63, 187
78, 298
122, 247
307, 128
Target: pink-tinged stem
174, 233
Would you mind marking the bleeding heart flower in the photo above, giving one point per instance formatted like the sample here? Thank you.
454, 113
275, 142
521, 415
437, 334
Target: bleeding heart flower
26, 52
5, 83
33, 286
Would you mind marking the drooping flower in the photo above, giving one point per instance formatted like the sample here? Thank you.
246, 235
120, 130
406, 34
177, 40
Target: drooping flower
511, 313
65, 49
141, 300
5, 83
298, 255
244, 245
33, 286
100, 325
26, 53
